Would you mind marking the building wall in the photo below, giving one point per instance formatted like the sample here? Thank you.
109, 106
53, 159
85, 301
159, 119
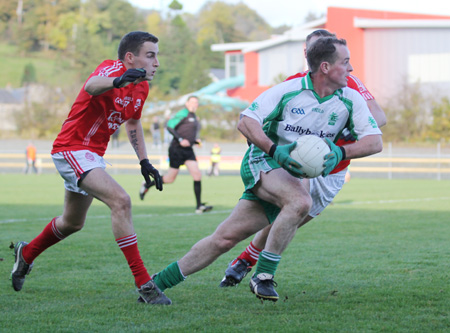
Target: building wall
280, 61
7, 112
251, 89
395, 57
341, 22
399, 54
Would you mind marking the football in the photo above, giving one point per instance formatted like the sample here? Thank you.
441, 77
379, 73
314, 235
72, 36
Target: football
309, 152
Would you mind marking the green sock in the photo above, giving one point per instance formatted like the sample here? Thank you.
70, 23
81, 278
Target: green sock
267, 263
169, 277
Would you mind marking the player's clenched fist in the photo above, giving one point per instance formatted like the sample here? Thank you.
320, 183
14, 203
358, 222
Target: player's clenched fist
129, 76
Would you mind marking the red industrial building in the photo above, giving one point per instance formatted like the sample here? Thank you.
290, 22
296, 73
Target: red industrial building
387, 49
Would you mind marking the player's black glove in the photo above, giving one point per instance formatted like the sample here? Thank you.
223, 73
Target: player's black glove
148, 169
130, 75
347, 135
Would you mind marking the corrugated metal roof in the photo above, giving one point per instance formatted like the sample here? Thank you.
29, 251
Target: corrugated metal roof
404, 23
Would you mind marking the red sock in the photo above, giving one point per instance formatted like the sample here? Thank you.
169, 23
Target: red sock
251, 254
48, 237
128, 245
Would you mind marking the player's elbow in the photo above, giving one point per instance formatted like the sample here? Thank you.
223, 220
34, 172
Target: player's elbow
89, 88
377, 146
92, 87
240, 126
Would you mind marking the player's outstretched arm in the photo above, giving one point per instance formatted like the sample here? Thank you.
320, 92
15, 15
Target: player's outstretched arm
97, 85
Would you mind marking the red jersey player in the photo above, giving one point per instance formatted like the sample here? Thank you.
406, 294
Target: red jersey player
112, 95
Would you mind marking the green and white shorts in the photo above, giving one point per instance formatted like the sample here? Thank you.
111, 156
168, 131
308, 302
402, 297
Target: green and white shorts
322, 189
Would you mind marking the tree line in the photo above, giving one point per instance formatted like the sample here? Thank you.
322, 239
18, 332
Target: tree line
82, 33
87, 32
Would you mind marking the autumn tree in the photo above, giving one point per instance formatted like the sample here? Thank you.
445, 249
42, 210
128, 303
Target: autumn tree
439, 129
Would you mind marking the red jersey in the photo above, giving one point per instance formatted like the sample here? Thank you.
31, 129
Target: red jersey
356, 84
93, 119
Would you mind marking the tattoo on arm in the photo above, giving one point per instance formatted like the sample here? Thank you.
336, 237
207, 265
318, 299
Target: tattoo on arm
134, 140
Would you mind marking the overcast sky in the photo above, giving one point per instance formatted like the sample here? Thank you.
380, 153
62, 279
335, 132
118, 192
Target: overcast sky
293, 12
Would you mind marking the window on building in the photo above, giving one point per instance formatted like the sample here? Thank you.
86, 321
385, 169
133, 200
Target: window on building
234, 64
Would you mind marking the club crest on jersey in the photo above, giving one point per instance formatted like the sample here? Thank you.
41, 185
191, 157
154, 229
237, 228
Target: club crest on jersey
253, 107
373, 122
332, 119
297, 111
89, 157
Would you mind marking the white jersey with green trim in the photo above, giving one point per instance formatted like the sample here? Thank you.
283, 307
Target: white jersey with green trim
292, 109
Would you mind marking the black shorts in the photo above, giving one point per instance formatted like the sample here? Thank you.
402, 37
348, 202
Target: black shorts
179, 155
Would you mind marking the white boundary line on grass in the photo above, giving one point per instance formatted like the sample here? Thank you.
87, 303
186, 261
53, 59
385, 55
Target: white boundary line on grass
227, 211
109, 216
390, 201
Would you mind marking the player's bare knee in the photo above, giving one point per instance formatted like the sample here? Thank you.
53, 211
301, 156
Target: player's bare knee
224, 244
73, 228
70, 225
299, 209
168, 180
122, 203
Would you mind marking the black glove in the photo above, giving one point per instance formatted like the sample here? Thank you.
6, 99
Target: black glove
347, 135
148, 169
130, 75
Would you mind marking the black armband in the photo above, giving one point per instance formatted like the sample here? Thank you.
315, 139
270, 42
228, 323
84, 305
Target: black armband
272, 150
344, 155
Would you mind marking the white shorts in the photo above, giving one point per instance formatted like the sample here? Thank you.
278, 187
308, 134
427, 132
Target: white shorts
71, 165
324, 189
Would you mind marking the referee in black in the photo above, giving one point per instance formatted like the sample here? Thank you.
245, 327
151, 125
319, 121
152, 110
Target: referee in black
184, 126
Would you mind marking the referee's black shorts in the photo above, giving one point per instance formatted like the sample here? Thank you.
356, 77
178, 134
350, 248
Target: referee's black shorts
178, 155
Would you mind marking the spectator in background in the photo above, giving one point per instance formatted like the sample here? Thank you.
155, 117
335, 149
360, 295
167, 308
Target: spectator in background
167, 136
156, 132
30, 158
215, 160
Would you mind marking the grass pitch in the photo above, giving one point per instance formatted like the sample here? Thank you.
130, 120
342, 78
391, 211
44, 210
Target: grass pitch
377, 260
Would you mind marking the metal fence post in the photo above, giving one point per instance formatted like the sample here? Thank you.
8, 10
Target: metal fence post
439, 161
390, 160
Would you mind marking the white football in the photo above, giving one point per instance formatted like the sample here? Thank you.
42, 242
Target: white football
310, 152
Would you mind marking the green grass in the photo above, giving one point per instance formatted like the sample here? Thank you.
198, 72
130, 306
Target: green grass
49, 70
377, 260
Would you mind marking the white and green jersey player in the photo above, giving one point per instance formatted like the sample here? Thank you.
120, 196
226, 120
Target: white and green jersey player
292, 109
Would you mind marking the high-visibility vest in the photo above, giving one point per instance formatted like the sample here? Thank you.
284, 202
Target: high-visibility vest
215, 155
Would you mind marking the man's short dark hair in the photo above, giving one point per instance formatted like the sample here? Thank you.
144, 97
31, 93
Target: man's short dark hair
132, 42
319, 33
324, 49
192, 96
